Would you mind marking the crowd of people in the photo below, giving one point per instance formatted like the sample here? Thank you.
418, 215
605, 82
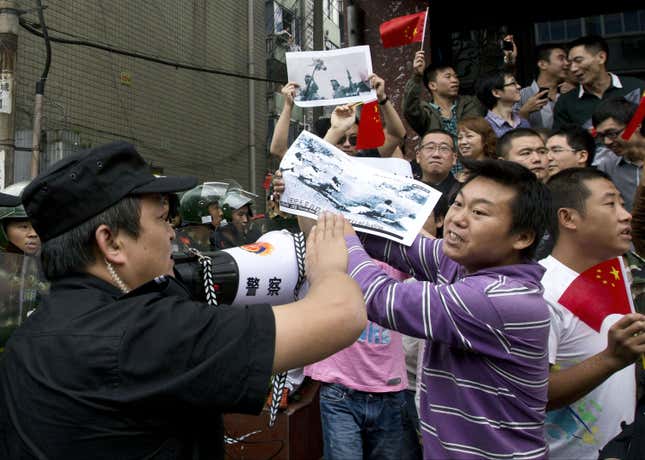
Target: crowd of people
456, 347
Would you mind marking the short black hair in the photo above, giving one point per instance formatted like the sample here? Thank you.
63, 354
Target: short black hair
568, 190
73, 251
504, 142
543, 51
620, 109
485, 85
578, 138
592, 43
532, 202
438, 131
431, 71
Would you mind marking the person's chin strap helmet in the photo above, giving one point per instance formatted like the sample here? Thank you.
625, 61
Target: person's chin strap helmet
235, 199
194, 203
11, 213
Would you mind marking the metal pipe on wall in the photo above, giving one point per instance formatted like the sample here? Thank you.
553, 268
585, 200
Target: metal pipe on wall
8, 53
252, 150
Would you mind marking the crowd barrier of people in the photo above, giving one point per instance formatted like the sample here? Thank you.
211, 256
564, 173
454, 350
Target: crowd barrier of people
456, 347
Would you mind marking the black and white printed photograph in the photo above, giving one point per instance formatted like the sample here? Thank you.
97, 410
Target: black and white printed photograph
319, 177
331, 77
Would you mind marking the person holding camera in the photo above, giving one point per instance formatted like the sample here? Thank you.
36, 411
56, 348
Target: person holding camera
118, 361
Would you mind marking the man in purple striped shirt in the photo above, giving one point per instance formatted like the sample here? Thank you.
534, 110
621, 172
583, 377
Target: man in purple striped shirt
478, 301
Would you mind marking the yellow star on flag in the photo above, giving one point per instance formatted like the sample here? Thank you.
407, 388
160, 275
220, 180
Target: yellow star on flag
615, 272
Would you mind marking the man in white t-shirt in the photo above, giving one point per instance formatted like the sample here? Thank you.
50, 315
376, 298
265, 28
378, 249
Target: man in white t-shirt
592, 387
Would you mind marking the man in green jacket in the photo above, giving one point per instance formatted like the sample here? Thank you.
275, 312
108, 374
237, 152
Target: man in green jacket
446, 107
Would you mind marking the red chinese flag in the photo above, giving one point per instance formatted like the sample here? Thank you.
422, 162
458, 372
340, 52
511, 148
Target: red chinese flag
597, 293
403, 30
267, 181
370, 128
636, 120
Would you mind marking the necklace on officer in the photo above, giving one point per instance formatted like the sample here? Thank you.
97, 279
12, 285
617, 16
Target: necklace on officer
116, 278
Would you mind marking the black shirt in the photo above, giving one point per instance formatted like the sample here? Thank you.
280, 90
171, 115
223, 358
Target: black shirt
448, 187
228, 237
96, 374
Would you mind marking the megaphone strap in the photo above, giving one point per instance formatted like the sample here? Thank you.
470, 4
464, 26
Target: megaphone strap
300, 247
207, 269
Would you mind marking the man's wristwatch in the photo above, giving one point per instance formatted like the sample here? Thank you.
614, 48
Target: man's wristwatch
384, 101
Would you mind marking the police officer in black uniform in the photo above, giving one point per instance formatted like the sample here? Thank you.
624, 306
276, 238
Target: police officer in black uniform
117, 361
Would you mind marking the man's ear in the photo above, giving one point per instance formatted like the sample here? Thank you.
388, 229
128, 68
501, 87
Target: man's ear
432, 86
602, 57
523, 240
542, 64
108, 244
584, 156
568, 218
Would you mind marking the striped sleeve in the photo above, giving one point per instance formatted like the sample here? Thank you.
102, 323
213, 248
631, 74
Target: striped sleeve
421, 260
442, 313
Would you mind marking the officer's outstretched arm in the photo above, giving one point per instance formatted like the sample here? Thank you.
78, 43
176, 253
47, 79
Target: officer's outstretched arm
332, 315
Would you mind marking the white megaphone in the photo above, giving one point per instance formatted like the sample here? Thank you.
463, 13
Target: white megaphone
271, 270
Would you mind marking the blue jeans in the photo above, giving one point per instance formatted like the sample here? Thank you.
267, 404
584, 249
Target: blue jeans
358, 425
411, 446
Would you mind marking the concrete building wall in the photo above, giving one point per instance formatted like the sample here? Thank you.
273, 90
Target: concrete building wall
184, 121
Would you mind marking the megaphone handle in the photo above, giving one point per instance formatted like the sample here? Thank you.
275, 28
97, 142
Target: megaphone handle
300, 247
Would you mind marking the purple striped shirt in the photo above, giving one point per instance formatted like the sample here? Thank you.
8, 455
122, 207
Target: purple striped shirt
485, 370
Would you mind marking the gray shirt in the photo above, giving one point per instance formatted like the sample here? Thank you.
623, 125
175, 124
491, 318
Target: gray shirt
542, 118
625, 175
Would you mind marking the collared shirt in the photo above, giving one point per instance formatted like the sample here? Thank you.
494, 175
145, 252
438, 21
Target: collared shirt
96, 374
450, 125
624, 174
485, 368
577, 106
542, 118
501, 126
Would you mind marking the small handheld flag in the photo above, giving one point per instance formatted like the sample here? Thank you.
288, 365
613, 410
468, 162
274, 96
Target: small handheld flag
370, 128
636, 120
598, 292
403, 30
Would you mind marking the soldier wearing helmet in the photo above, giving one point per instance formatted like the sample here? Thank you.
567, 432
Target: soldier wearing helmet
201, 214
237, 208
16, 232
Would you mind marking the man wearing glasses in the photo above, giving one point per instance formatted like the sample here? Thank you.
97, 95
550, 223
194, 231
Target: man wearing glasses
570, 147
610, 120
436, 155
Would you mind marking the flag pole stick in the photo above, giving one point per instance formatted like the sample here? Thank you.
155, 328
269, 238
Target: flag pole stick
425, 23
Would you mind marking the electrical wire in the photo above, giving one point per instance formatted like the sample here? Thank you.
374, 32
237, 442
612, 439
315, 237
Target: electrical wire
45, 34
32, 28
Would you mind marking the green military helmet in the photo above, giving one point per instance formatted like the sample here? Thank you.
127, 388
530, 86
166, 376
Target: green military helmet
235, 199
11, 212
194, 203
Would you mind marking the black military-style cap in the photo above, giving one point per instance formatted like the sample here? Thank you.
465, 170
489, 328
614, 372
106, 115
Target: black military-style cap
84, 185
9, 200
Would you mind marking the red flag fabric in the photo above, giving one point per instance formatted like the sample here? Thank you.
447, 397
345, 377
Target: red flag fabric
403, 30
636, 120
267, 181
598, 292
370, 128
